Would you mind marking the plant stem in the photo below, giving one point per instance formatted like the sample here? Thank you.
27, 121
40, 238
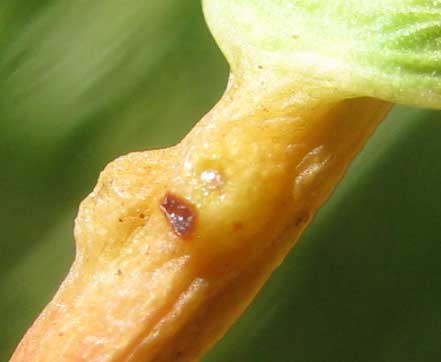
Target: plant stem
174, 244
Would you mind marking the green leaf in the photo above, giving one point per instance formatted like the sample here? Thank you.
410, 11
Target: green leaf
382, 49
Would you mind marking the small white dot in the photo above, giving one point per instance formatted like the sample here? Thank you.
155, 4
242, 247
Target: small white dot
212, 177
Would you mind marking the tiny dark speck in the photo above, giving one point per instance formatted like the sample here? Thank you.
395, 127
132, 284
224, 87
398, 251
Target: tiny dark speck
180, 213
302, 219
237, 226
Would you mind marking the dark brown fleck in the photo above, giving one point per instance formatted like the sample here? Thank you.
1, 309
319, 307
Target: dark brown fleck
142, 216
302, 219
237, 226
120, 219
119, 272
180, 213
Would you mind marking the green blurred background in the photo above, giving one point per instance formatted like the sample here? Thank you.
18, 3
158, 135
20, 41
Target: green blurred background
82, 82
